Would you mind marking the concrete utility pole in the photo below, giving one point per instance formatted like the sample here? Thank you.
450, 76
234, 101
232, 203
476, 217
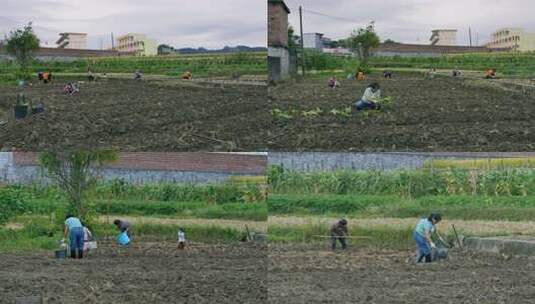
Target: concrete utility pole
112, 42
302, 40
470, 35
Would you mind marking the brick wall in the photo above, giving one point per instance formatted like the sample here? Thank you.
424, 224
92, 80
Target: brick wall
277, 23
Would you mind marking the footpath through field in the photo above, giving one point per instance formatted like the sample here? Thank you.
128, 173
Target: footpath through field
235, 224
472, 227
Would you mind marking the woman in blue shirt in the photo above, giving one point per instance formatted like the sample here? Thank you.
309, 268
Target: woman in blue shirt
75, 231
422, 235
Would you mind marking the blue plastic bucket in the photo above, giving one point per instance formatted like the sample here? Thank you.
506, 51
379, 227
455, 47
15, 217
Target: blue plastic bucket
123, 239
61, 254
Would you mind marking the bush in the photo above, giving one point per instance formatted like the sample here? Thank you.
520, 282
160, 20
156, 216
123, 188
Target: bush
13, 202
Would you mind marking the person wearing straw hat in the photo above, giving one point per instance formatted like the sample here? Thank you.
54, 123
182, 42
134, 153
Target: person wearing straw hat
339, 233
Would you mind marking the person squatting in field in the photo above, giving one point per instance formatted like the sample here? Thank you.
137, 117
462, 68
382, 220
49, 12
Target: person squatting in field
333, 83
490, 74
370, 98
45, 77
187, 75
75, 231
71, 88
422, 236
339, 233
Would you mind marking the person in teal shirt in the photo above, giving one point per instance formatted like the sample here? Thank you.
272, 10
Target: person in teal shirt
75, 231
422, 235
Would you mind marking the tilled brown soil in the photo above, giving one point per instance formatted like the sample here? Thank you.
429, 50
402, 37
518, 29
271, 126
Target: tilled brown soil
443, 114
148, 115
145, 273
300, 275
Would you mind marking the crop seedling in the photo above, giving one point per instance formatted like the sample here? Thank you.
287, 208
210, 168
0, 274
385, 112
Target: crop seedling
312, 113
386, 102
280, 114
345, 112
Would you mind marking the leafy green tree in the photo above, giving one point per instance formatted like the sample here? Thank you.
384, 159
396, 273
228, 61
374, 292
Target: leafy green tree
363, 41
21, 43
75, 172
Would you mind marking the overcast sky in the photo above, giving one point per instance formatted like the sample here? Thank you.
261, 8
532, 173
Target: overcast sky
411, 21
181, 23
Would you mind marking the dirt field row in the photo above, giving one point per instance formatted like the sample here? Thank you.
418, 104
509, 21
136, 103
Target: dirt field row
145, 273
306, 275
443, 114
155, 115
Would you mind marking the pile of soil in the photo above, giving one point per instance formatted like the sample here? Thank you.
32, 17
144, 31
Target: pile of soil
148, 115
442, 114
145, 273
298, 275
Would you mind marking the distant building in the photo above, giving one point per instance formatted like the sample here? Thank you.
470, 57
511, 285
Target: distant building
315, 41
338, 51
443, 37
137, 44
72, 41
278, 52
512, 38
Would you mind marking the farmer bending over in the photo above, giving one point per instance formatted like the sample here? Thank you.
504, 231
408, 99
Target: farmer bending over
333, 83
75, 231
90, 76
422, 235
123, 226
47, 77
370, 99
137, 75
339, 232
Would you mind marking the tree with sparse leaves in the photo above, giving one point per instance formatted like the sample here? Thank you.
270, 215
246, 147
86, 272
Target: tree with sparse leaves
363, 41
75, 172
21, 43
292, 44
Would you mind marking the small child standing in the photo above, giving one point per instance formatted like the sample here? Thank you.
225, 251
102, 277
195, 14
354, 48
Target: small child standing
181, 239
88, 237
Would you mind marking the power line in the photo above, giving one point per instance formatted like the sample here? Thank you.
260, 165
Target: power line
330, 16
